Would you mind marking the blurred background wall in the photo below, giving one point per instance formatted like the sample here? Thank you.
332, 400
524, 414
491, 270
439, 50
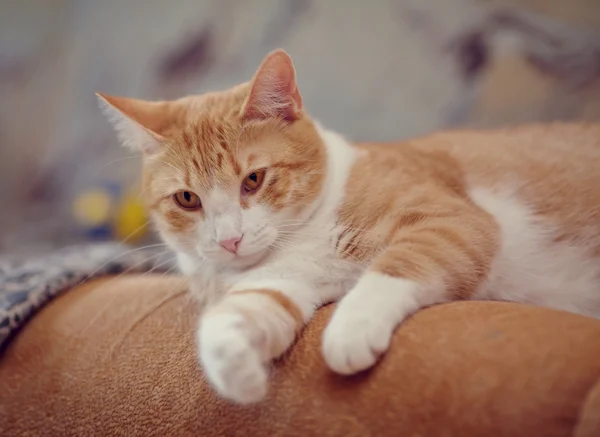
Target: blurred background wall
377, 70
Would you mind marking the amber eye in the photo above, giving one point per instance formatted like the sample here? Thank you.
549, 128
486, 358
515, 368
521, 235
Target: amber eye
187, 200
253, 181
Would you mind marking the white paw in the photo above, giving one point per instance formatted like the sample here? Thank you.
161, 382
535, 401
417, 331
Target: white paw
231, 362
353, 341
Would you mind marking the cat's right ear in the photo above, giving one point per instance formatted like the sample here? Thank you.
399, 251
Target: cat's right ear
274, 91
137, 122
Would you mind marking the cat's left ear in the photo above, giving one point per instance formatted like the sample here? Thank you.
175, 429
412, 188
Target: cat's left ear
140, 124
274, 92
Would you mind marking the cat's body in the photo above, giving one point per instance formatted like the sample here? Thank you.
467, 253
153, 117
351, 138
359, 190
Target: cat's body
540, 194
273, 216
544, 195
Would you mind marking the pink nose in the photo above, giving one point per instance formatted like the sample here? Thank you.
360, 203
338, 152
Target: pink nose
231, 245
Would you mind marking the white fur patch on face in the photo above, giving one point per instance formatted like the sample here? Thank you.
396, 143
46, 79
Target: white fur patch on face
259, 229
255, 227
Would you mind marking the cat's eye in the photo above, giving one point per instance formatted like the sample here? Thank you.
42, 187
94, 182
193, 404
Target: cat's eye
187, 200
253, 181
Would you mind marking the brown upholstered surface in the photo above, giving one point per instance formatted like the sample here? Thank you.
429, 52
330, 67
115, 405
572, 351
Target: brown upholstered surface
117, 357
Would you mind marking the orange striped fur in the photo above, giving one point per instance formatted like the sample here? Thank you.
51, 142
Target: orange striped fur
284, 216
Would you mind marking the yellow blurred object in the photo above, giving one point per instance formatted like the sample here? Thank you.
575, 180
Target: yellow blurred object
92, 208
130, 219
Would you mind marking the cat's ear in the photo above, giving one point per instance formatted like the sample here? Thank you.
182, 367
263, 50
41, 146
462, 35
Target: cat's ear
274, 91
139, 123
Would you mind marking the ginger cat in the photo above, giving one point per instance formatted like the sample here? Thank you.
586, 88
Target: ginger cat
273, 216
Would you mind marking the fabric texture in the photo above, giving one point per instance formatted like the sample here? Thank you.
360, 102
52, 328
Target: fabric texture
27, 285
117, 357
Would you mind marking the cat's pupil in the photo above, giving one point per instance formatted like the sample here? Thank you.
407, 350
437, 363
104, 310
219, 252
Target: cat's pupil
187, 196
253, 177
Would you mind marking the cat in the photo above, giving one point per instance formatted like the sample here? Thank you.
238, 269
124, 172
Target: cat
272, 216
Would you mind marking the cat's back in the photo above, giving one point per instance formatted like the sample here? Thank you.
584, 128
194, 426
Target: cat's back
554, 169
542, 185
534, 153
551, 170
555, 166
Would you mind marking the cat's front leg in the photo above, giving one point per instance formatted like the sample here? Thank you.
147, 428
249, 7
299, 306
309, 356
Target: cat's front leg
362, 326
254, 323
437, 259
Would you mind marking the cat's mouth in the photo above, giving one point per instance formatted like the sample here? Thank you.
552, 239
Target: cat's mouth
239, 259
250, 259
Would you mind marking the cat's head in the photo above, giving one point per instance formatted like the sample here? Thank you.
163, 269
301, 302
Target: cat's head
227, 174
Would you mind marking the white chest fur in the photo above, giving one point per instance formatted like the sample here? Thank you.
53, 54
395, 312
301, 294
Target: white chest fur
308, 253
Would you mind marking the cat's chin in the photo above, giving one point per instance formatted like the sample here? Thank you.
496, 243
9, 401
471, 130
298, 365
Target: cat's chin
244, 261
238, 261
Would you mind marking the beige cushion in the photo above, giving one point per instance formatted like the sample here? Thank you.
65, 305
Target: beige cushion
116, 357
